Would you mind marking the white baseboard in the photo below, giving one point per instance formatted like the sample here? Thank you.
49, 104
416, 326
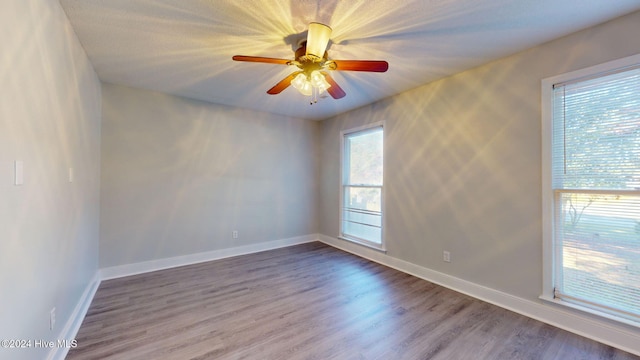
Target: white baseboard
166, 263
604, 332
72, 325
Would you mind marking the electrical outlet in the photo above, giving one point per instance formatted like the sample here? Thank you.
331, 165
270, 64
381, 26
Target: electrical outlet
446, 256
234, 234
52, 318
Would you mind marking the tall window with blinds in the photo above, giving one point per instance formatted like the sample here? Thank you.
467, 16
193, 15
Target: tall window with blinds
595, 190
361, 205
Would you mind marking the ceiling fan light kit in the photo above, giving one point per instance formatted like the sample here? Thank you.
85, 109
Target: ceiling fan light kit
311, 59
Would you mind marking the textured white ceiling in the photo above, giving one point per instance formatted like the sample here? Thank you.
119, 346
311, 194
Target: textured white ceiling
184, 47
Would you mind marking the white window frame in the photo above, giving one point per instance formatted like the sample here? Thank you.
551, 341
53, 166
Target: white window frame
341, 235
548, 230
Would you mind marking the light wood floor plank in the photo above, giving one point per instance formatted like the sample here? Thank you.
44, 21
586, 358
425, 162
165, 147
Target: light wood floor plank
309, 301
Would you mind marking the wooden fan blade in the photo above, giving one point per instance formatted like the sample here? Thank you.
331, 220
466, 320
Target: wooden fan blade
334, 90
261, 59
283, 84
361, 65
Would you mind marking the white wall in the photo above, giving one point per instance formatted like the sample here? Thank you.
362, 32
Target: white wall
463, 163
50, 119
178, 176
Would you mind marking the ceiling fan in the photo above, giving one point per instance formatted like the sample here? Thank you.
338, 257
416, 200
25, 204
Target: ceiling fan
311, 59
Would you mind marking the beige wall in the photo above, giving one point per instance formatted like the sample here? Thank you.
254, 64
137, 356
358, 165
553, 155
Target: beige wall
49, 119
463, 162
178, 176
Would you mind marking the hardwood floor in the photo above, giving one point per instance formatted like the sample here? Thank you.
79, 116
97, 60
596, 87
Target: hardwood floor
309, 301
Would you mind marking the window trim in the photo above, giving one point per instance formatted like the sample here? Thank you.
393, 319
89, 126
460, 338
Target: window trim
549, 261
341, 235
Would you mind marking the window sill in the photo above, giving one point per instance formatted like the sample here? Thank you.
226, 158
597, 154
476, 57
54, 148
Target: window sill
372, 246
591, 311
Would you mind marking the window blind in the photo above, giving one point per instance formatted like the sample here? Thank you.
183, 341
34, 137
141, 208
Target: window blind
596, 184
361, 217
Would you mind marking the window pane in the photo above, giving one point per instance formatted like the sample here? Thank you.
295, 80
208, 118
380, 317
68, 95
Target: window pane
365, 157
599, 244
597, 133
361, 214
596, 182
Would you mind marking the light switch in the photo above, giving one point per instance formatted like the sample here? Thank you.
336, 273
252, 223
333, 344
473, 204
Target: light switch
19, 172
70, 174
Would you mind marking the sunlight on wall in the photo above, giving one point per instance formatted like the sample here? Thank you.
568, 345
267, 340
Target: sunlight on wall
462, 163
178, 176
50, 120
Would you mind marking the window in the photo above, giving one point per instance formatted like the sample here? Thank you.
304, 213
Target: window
361, 195
591, 194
